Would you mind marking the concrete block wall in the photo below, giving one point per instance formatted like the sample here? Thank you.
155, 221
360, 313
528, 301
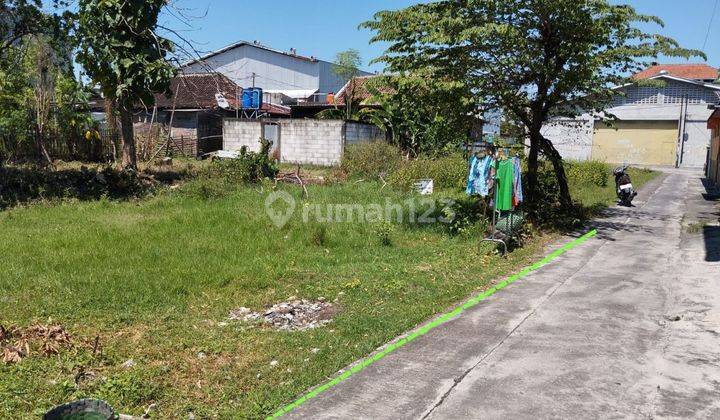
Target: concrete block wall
316, 142
362, 133
238, 133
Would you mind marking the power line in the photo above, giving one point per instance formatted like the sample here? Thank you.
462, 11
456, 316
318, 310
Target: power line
712, 18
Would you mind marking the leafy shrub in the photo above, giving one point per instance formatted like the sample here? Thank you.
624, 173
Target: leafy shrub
590, 172
371, 160
248, 168
384, 230
446, 172
547, 210
465, 217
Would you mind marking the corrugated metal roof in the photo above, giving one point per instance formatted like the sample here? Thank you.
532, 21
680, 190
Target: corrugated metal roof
254, 44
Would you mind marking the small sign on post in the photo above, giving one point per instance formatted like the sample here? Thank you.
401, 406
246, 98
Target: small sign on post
425, 186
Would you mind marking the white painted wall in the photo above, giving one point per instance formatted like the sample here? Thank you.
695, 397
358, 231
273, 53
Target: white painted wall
572, 137
317, 142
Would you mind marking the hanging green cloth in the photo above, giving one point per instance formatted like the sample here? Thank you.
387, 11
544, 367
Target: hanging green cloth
505, 178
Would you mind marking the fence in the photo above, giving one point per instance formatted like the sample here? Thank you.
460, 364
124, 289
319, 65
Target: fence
97, 146
102, 146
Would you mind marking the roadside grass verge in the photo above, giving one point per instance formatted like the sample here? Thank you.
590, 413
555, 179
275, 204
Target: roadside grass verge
598, 198
154, 281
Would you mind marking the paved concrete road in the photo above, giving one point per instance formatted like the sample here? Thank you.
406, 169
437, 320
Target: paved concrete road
626, 325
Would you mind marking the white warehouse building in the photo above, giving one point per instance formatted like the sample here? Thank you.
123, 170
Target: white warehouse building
285, 77
656, 125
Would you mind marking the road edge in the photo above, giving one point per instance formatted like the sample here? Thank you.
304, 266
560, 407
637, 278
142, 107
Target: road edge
412, 335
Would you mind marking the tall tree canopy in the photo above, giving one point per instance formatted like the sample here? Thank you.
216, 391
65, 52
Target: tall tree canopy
22, 18
121, 50
534, 59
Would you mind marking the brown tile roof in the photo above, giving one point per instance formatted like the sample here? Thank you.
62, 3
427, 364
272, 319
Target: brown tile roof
685, 71
197, 91
361, 92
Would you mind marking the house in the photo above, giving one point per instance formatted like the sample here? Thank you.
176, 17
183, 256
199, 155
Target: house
663, 122
362, 96
712, 168
192, 113
285, 76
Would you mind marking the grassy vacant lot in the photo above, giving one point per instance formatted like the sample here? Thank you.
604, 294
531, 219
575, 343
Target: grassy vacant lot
155, 280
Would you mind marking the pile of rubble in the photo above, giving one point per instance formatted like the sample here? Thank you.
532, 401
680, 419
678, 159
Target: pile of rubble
293, 315
17, 343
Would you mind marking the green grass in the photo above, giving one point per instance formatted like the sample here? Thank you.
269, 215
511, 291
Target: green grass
153, 279
598, 198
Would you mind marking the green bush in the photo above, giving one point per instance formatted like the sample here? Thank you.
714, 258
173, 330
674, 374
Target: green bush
446, 172
371, 160
384, 231
248, 168
590, 172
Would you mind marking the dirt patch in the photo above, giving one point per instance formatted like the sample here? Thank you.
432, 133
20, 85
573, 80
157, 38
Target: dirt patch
17, 343
293, 315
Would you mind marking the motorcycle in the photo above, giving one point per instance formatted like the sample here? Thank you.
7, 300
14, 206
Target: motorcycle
623, 185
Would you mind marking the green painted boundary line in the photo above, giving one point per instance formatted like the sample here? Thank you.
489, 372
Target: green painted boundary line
442, 319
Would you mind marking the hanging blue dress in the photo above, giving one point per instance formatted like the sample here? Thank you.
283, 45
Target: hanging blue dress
478, 179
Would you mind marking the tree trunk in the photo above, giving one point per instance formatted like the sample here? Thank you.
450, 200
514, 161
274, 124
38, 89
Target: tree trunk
44, 157
532, 173
129, 155
551, 152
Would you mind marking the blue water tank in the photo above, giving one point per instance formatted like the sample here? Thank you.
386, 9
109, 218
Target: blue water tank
252, 98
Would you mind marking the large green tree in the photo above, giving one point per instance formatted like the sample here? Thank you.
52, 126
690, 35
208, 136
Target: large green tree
18, 19
534, 59
121, 50
422, 113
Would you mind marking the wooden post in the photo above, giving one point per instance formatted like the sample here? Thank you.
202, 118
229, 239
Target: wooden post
148, 148
172, 117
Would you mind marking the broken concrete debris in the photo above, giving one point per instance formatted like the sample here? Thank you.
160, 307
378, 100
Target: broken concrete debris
293, 315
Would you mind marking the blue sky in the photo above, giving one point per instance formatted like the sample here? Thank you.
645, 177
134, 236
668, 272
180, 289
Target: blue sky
324, 27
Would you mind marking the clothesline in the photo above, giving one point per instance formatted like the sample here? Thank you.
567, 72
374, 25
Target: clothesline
504, 174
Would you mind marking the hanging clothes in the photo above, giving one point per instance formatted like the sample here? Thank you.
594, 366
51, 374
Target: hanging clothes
472, 176
479, 179
517, 182
506, 181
